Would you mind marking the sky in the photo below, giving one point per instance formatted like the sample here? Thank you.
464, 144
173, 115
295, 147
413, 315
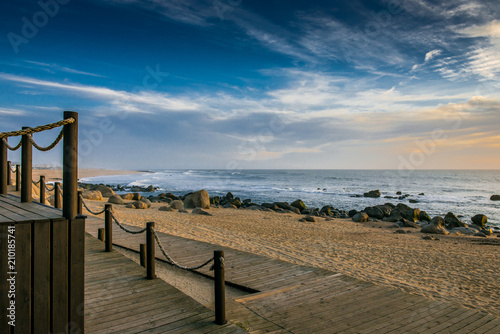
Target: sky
239, 84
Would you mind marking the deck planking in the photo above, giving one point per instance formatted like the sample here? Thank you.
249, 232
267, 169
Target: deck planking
291, 298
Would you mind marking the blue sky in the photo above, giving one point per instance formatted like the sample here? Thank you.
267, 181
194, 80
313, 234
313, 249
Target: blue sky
258, 84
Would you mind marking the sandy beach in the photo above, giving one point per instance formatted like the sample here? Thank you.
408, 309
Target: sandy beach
56, 174
462, 270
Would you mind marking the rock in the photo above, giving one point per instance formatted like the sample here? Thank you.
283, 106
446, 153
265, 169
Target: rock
421, 194
399, 193
130, 206
427, 237
310, 219
480, 220
360, 217
150, 189
128, 196
283, 205
269, 206
302, 220
188, 201
408, 223
464, 230
165, 208
146, 201
105, 191
115, 199
327, 210
424, 216
400, 231
172, 196
372, 193
413, 201
352, 213
374, 212
199, 211
394, 216
140, 205
299, 205
487, 231
495, 198
177, 205
410, 214
183, 211
92, 195
451, 221
480, 234
436, 226
235, 202
199, 199
229, 206
229, 196
215, 200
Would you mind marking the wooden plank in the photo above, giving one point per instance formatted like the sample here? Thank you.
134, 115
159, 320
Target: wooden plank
23, 286
76, 256
59, 279
42, 210
40, 277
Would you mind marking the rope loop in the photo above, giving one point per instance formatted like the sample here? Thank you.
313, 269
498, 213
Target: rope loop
12, 148
92, 212
35, 183
124, 228
50, 189
171, 261
51, 146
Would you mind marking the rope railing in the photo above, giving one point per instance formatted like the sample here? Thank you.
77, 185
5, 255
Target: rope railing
50, 189
37, 129
88, 209
12, 148
35, 183
171, 261
124, 228
49, 147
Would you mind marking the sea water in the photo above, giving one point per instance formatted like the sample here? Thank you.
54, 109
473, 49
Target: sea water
463, 192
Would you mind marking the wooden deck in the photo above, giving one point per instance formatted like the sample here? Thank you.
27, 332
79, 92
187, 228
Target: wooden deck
119, 299
301, 299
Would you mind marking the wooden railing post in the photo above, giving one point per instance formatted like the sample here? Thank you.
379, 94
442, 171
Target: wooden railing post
142, 254
150, 251
4, 168
101, 235
18, 178
108, 227
9, 173
220, 288
70, 166
57, 195
79, 206
26, 165
42, 189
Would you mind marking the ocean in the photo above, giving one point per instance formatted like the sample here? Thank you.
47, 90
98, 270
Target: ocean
463, 192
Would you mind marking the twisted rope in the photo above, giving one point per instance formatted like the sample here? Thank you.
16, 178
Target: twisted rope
124, 228
50, 189
35, 183
13, 169
92, 212
37, 129
169, 259
60, 191
51, 146
12, 148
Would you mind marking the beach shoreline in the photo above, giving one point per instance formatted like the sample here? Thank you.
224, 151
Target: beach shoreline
55, 174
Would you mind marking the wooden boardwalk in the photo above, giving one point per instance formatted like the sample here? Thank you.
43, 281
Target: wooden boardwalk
119, 299
301, 299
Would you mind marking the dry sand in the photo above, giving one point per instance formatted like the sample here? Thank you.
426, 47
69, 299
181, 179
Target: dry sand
463, 270
56, 174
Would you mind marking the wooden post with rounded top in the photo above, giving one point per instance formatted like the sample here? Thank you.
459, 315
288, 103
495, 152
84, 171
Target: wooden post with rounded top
26, 165
4, 168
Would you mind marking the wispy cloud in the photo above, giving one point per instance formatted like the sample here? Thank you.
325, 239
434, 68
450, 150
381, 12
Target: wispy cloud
52, 68
12, 112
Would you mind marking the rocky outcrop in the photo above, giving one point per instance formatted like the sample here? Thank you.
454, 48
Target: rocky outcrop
198, 199
146, 201
177, 205
92, 195
463, 230
451, 221
372, 193
374, 212
360, 217
115, 199
105, 191
480, 220
495, 198
165, 208
424, 216
436, 226
299, 205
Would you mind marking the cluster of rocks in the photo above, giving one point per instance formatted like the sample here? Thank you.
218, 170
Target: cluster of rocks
404, 216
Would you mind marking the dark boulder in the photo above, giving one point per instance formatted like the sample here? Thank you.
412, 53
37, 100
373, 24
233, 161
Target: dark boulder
451, 221
372, 193
229, 195
480, 220
360, 217
374, 212
436, 226
299, 205
424, 216
495, 198
327, 210
352, 213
